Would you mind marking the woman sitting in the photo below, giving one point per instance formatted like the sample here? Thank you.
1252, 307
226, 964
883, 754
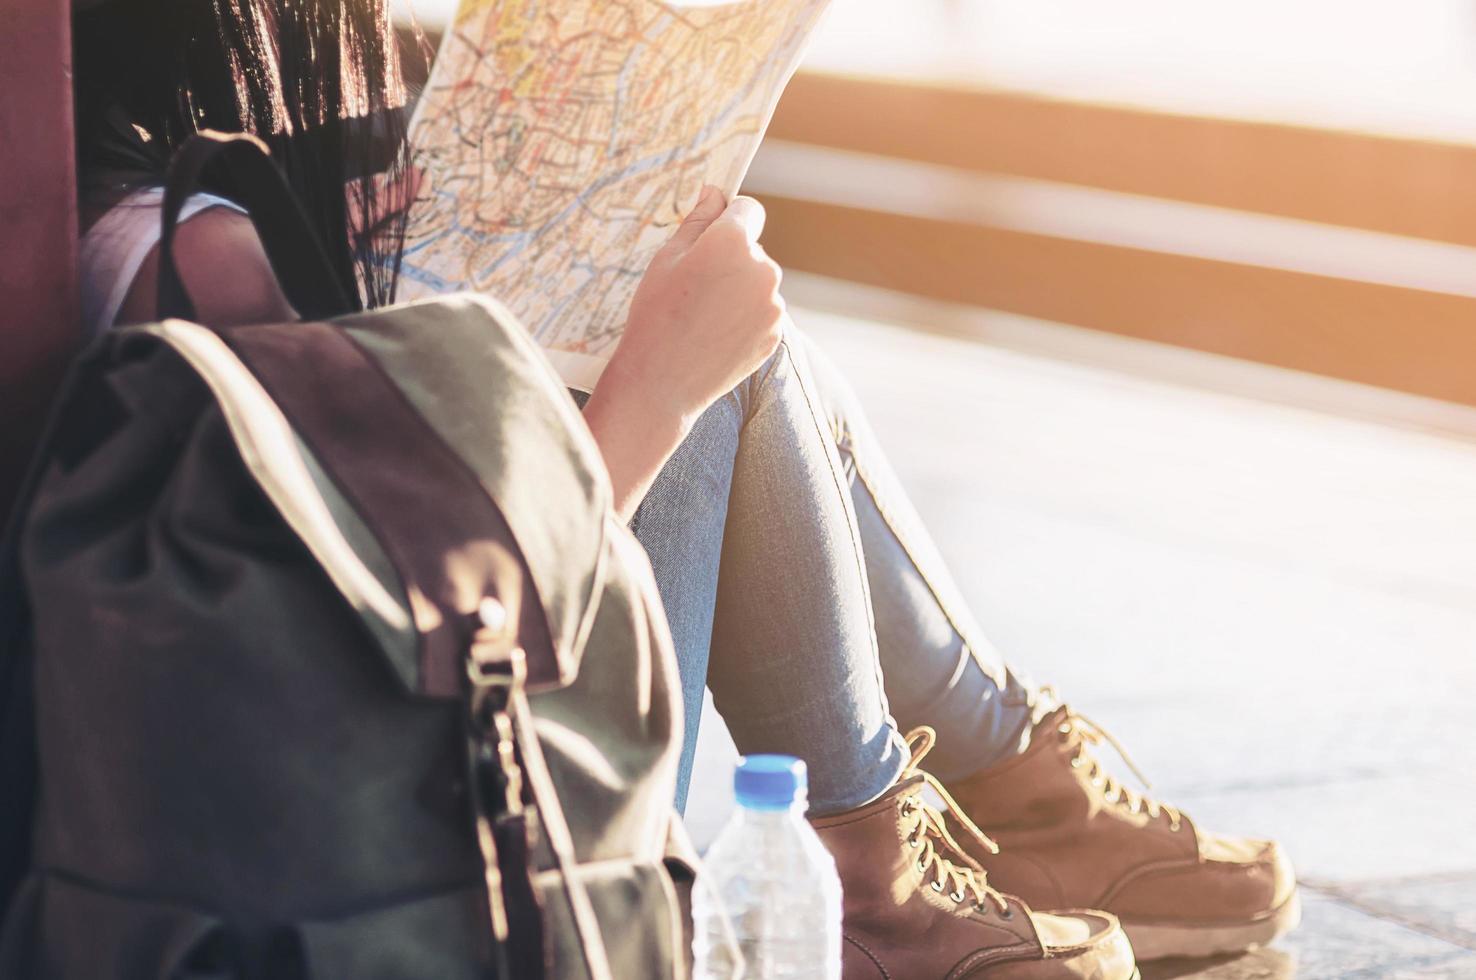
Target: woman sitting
800, 585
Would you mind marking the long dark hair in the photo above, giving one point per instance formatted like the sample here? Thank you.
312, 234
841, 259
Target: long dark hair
319, 80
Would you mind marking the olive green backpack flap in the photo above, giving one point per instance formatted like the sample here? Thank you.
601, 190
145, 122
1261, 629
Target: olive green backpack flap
343, 667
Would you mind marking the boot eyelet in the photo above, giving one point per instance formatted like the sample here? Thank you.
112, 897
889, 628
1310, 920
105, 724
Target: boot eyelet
914, 842
1064, 729
937, 887
922, 868
957, 897
1008, 913
1174, 828
1077, 763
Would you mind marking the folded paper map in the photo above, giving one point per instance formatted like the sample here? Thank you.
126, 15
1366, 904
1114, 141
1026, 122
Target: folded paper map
561, 141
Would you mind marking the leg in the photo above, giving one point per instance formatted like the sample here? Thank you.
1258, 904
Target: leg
756, 553
680, 524
794, 666
794, 669
940, 669
1072, 834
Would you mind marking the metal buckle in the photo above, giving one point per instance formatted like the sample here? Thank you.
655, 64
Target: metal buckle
494, 664
496, 672
497, 669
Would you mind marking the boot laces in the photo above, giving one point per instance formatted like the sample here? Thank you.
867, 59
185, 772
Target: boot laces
1113, 789
953, 870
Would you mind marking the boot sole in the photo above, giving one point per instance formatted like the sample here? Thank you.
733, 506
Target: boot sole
1157, 941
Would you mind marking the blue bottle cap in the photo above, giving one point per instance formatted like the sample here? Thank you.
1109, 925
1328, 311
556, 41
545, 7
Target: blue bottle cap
770, 782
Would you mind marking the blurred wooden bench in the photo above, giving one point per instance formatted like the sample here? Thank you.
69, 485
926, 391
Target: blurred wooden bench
1398, 324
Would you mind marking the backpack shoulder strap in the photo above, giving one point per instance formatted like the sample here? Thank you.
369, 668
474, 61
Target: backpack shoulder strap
378, 451
297, 256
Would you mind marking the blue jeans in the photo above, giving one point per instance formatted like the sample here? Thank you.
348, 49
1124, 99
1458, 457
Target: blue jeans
802, 589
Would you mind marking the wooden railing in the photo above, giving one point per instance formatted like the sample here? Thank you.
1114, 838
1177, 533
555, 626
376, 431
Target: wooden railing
1394, 324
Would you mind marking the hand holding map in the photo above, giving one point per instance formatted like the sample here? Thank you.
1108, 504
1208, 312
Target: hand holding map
562, 142
707, 313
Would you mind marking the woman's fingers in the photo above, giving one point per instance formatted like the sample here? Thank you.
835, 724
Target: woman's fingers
709, 208
749, 214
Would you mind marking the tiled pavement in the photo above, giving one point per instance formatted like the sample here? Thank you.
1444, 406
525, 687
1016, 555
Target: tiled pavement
1273, 608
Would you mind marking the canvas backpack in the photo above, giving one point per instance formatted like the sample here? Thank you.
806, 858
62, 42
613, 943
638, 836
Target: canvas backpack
326, 657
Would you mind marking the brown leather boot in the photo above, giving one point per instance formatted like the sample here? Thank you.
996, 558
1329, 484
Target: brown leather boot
1070, 834
917, 907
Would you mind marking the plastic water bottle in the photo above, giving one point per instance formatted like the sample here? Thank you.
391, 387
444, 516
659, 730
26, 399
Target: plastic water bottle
768, 883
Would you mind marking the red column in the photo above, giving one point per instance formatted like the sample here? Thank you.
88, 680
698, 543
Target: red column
38, 224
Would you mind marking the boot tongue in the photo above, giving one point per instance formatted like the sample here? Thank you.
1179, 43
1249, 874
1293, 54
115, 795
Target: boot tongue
1048, 712
911, 783
1047, 704
1050, 721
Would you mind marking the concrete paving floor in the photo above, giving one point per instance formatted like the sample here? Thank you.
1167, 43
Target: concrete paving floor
1272, 606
